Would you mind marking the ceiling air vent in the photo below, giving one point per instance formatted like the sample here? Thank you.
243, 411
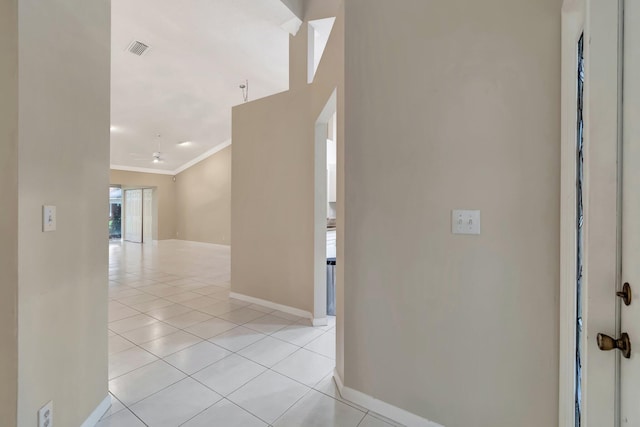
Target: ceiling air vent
138, 48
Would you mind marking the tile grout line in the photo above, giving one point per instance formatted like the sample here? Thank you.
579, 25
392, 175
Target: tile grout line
233, 391
324, 332
292, 322
162, 358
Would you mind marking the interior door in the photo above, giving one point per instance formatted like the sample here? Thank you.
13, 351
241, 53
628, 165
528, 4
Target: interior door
599, 370
597, 318
612, 366
630, 314
133, 216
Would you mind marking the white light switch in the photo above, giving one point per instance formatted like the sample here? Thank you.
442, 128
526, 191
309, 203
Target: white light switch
465, 222
48, 218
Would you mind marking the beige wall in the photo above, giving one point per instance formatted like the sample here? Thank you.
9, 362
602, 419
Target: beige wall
165, 193
64, 63
272, 221
9, 211
453, 105
319, 9
203, 200
272, 212
197, 206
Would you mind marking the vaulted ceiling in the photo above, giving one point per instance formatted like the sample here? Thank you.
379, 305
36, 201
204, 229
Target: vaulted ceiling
185, 84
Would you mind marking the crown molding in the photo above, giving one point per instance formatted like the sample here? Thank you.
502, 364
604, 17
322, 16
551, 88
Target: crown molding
142, 170
182, 168
203, 156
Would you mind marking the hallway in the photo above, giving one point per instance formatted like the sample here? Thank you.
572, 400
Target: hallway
181, 352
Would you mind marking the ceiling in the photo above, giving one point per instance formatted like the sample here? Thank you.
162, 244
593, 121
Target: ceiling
184, 86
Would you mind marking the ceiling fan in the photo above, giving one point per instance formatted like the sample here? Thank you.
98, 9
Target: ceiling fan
156, 156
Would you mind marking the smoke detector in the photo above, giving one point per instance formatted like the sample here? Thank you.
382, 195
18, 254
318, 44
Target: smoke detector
138, 48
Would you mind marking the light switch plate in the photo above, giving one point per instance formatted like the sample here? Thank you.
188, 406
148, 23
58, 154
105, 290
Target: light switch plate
48, 218
45, 415
465, 222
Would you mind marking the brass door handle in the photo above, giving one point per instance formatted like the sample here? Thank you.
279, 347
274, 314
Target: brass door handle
606, 343
625, 294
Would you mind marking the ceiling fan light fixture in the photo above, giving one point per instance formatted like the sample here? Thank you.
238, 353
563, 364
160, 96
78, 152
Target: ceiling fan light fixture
157, 157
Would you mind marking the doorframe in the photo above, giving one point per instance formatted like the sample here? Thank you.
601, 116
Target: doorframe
573, 26
320, 211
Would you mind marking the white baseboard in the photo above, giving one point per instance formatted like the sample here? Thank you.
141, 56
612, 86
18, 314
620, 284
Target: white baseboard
378, 406
194, 243
276, 306
320, 321
97, 413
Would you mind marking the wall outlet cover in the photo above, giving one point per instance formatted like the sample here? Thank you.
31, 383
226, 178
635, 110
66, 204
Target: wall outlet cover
45, 415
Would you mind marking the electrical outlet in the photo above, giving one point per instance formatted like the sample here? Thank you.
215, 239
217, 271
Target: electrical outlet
45, 415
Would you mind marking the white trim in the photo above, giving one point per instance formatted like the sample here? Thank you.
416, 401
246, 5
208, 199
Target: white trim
97, 413
292, 26
378, 406
339, 383
320, 321
273, 305
142, 170
203, 156
573, 20
182, 168
206, 244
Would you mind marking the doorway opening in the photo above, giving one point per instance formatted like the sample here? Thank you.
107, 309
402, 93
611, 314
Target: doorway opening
332, 213
325, 213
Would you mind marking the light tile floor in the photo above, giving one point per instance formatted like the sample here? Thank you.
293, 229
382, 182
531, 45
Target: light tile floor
182, 352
